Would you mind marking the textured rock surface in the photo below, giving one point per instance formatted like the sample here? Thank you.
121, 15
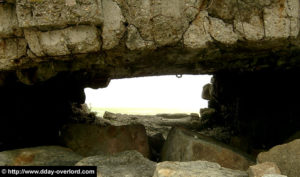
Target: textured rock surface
125, 38
274, 175
262, 169
113, 25
89, 140
11, 49
207, 92
195, 169
286, 156
197, 36
40, 156
72, 40
155, 124
184, 145
207, 114
58, 14
9, 23
128, 163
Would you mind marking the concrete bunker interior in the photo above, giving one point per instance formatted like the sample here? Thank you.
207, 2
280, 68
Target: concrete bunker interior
260, 106
251, 48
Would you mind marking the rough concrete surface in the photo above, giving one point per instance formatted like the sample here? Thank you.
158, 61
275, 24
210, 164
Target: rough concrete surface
127, 164
184, 145
259, 170
195, 169
286, 157
89, 140
40, 156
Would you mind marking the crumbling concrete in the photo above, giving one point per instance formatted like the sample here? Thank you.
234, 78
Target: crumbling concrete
124, 38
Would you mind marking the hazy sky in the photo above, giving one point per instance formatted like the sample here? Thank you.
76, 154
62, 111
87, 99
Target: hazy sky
151, 92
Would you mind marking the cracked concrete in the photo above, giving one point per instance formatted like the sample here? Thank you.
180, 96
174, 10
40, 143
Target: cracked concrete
11, 49
252, 30
72, 40
127, 38
135, 41
197, 36
221, 31
9, 24
113, 27
56, 14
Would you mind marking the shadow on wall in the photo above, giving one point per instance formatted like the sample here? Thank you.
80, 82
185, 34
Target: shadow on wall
263, 106
32, 115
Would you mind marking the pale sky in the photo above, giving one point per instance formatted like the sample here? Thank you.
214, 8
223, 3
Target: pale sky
164, 92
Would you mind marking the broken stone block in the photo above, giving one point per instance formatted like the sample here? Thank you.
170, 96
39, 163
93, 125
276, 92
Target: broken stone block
57, 14
127, 163
207, 115
89, 140
113, 25
222, 32
184, 145
197, 35
262, 169
195, 169
72, 40
155, 124
223, 9
207, 92
9, 23
275, 26
155, 21
39, 156
286, 157
135, 42
252, 30
281, 19
165, 31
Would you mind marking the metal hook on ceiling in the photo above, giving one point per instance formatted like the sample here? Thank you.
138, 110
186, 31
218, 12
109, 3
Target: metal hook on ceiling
179, 76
